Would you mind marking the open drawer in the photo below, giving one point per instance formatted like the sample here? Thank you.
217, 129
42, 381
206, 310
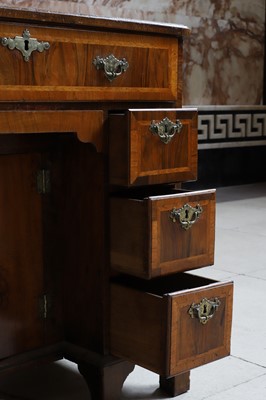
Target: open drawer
158, 231
171, 324
153, 146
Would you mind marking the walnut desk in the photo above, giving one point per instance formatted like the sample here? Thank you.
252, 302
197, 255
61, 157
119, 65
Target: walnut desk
95, 231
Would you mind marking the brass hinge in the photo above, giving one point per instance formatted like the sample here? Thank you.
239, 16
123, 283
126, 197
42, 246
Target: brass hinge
43, 181
45, 306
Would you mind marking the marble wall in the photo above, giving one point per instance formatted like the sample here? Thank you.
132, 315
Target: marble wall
224, 55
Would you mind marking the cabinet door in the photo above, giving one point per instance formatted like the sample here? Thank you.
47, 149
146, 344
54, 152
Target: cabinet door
30, 242
21, 261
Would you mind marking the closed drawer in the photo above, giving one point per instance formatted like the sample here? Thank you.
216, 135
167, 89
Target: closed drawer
139, 151
172, 324
67, 70
163, 232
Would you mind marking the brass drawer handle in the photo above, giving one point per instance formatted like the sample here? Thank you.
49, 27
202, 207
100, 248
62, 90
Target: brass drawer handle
204, 310
25, 44
187, 215
111, 66
166, 129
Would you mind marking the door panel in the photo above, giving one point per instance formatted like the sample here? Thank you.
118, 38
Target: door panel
21, 265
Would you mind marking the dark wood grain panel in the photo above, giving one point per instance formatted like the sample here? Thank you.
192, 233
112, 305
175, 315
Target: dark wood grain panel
66, 72
156, 312
21, 255
192, 343
145, 241
145, 159
87, 125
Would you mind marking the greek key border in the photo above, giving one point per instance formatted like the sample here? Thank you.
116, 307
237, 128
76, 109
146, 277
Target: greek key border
231, 126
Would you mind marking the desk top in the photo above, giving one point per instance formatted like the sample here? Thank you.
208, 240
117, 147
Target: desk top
33, 15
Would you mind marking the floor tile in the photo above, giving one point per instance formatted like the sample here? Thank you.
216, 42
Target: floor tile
205, 381
249, 322
243, 216
260, 274
239, 252
253, 389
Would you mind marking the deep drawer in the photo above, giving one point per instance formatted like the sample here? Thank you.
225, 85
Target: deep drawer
172, 324
146, 148
67, 70
148, 239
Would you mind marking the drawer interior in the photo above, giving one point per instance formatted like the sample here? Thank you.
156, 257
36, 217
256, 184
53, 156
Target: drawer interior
164, 285
140, 193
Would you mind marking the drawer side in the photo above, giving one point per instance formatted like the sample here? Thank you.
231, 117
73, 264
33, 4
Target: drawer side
138, 327
129, 237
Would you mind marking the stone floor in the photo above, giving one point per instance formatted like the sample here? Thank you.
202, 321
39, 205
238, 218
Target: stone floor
241, 257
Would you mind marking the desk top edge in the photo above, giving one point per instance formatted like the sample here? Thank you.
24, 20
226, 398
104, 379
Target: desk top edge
77, 21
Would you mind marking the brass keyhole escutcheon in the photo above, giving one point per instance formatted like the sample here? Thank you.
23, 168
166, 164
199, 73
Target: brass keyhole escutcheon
204, 310
25, 44
186, 215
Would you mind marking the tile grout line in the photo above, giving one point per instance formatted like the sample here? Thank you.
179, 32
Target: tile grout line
237, 385
250, 362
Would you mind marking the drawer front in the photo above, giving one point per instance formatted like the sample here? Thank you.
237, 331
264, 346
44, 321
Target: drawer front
182, 338
70, 70
153, 146
195, 341
148, 239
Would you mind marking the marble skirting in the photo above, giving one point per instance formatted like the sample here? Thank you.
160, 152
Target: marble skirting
231, 126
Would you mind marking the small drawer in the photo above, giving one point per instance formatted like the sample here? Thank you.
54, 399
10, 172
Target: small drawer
153, 146
162, 231
171, 324
80, 64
